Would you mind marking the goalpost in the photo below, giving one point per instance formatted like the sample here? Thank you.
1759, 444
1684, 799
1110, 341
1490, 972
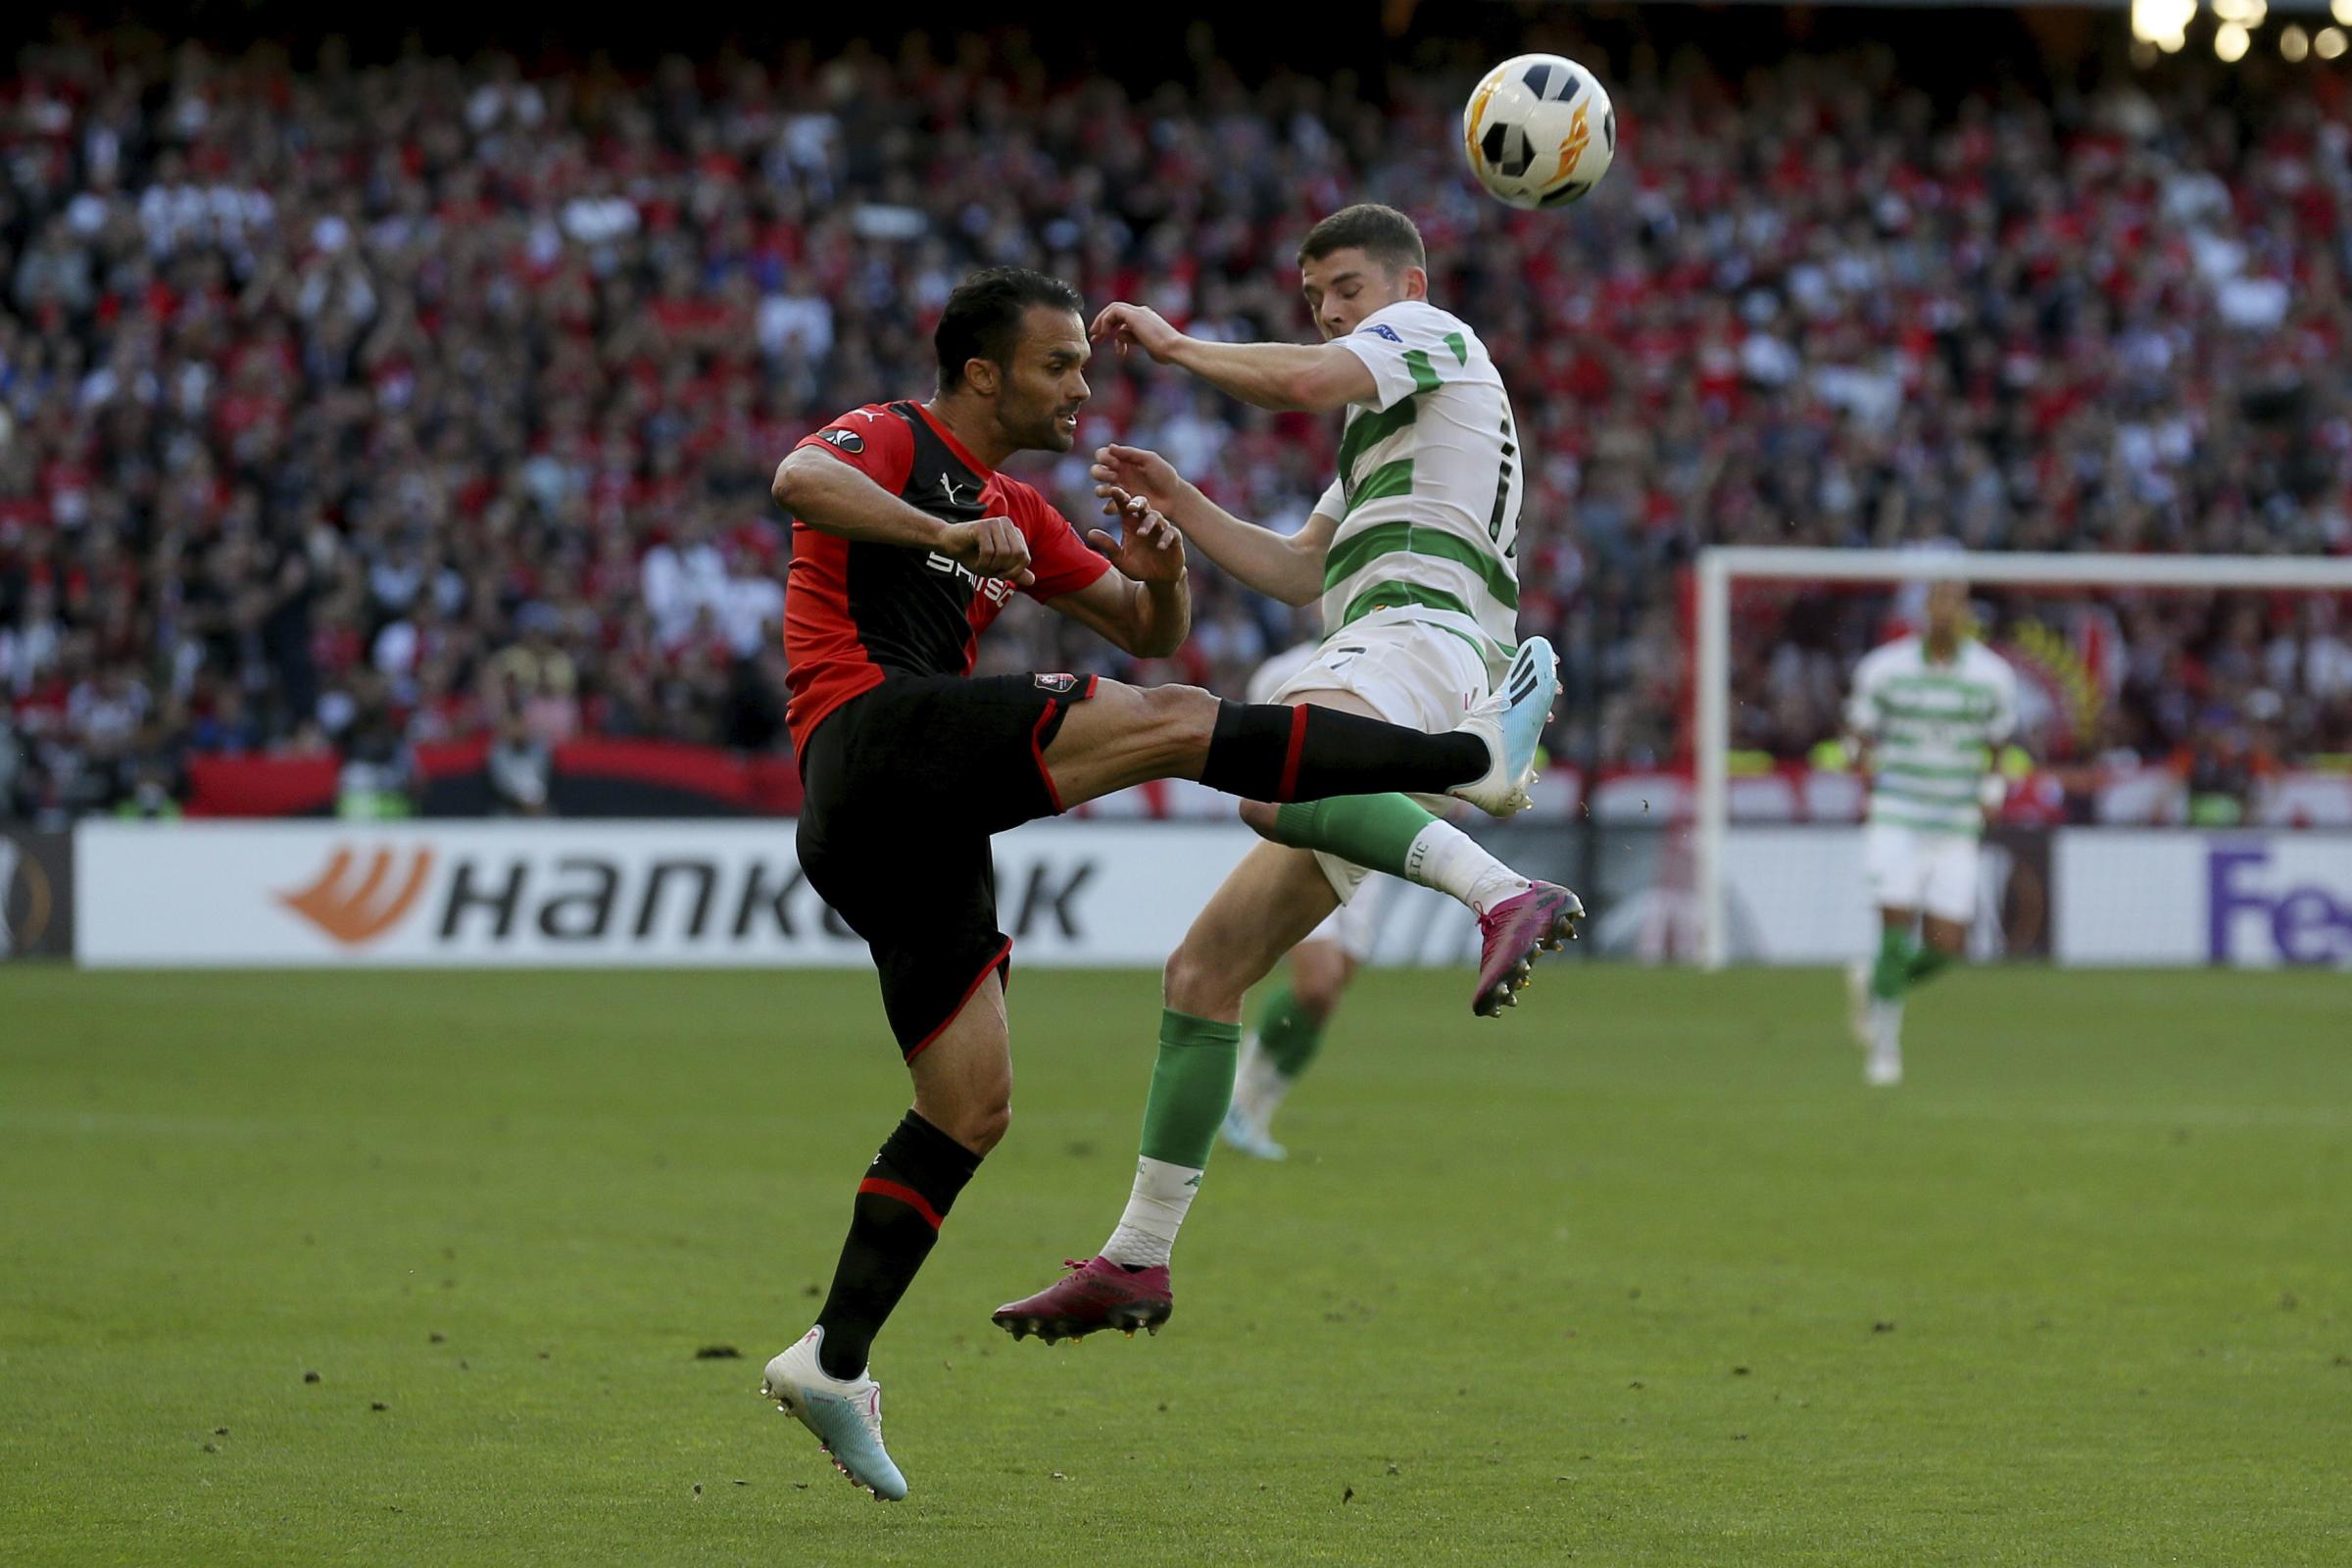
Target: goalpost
1719, 567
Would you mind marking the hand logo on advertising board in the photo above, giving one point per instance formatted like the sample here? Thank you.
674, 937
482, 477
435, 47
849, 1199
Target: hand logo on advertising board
358, 915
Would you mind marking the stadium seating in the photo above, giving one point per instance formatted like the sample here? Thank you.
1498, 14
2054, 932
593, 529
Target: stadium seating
402, 407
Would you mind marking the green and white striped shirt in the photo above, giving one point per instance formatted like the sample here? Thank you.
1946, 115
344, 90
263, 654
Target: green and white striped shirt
1935, 727
1427, 500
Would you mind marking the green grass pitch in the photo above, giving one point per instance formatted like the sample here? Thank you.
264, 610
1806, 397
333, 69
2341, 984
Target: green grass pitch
1641, 1275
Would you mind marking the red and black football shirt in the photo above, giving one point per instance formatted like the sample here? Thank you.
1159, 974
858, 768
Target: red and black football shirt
855, 612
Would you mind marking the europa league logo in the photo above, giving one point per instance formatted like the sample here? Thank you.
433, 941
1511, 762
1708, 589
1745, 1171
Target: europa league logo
24, 898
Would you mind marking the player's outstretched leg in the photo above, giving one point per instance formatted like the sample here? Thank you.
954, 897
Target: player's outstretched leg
1514, 717
1122, 735
1516, 918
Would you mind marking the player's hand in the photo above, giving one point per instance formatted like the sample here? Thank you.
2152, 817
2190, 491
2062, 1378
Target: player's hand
1139, 327
1123, 473
992, 547
1153, 551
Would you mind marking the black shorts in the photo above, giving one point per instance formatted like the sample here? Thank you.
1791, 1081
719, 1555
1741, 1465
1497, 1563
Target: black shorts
904, 786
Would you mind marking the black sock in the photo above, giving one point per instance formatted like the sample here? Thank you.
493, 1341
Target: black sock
907, 1191
1279, 752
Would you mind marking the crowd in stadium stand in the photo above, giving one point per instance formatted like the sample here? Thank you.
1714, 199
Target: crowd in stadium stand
352, 408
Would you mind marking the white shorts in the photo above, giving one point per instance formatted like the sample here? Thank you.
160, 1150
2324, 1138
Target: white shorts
1355, 924
1409, 672
1933, 872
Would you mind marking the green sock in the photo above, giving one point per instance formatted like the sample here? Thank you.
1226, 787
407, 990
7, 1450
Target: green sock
1894, 970
1192, 1084
1926, 963
1287, 1033
1375, 831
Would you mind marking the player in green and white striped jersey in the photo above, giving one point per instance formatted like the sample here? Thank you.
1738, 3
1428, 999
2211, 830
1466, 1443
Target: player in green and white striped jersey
1409, 552
1420, 526
1932, 711
1424, 514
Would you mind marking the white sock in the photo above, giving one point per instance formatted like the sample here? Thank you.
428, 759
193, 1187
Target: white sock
1886, 1030
1269, 1095
1257, 1084
1146, 1232
1444, 858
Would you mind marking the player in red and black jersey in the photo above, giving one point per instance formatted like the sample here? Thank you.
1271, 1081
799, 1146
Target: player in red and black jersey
859, 608
906, 544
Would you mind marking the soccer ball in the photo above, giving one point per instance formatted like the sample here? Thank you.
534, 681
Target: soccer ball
1539, 131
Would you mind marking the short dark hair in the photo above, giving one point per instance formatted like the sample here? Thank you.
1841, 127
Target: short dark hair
1383, 234
983, 317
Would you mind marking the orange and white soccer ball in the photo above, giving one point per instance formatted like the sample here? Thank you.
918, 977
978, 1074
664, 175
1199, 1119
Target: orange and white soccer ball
1540, 132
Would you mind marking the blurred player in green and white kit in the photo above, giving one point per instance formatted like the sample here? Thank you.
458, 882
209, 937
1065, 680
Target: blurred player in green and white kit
1410, 552
1929, 714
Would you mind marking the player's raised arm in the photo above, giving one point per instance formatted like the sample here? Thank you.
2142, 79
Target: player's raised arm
1302, 377
1289, 568
833, 497
1141, 604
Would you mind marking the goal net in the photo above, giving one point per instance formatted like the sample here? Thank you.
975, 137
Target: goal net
2179, 790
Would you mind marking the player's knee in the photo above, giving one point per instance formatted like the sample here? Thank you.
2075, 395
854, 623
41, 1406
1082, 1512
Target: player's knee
990, 1125
981, 1120
1259, 818
1194, 981
1180, 720
1181, 977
